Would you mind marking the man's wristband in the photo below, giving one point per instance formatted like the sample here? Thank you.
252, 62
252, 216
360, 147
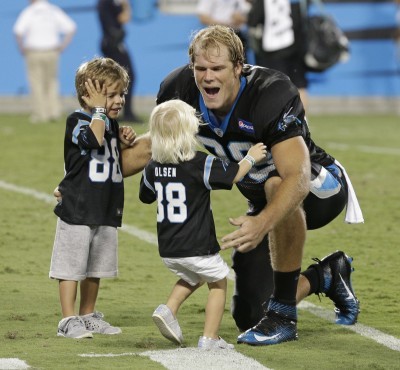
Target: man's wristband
101, 110
250, 159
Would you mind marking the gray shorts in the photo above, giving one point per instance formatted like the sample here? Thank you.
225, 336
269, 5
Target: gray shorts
81, 251
194, 270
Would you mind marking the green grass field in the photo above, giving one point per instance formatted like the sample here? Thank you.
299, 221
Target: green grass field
31, 165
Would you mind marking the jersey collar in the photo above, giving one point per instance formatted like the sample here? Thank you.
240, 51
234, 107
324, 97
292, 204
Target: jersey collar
209, 117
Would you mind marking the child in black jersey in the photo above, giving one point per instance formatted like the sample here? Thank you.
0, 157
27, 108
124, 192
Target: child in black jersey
85, 247
180, 179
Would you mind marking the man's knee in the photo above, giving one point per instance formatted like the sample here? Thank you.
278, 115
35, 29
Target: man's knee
271, 186
246, 312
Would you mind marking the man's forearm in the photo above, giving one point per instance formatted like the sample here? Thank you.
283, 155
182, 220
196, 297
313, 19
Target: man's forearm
288, 197
135, 158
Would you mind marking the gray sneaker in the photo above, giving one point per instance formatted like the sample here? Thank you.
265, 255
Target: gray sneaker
73, 327
94, 323
211, 344
167, 324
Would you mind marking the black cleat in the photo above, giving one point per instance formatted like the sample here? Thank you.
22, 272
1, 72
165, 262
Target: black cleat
278, 325
335, 271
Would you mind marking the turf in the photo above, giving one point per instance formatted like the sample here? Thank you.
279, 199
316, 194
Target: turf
31, 157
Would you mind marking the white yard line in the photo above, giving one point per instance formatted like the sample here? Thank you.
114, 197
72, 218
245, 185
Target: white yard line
366, 331
13, 363
193, 359
189, 356
365, 148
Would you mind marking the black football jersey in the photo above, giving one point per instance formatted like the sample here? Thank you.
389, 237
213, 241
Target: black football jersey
92, 189
268, 109
185, 223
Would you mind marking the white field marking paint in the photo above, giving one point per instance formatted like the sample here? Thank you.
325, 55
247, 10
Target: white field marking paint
193, 359
13, 363
197, 359
146, 236
27, 191
376, 335
382, 338
365, 149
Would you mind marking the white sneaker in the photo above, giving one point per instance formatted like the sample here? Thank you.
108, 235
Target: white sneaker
210, 343
167, 324
73, 327
94, 323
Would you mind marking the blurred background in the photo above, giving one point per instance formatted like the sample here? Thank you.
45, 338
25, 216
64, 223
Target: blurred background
159, 34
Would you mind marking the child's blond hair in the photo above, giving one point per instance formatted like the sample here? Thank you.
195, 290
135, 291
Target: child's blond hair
173, 128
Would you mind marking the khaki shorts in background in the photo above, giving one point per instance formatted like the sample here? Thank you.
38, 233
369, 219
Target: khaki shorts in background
81, 251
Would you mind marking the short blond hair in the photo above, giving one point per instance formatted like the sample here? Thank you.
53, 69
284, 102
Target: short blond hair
105, 70
213, 37
173, 128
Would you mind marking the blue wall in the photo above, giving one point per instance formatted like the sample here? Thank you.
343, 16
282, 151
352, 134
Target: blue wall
158, 43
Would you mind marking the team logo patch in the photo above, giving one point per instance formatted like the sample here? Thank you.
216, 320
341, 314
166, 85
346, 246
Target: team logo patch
288, 120
225, 164
246, 126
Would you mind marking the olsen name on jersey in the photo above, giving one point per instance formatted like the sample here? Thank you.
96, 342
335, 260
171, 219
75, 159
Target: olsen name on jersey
165, 171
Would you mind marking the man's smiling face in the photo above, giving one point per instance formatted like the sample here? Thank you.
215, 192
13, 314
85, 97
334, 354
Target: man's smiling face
217, 78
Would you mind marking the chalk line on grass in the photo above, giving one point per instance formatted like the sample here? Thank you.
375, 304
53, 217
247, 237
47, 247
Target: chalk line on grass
365, 148
197, 359
12, 363
366, 331
193, 359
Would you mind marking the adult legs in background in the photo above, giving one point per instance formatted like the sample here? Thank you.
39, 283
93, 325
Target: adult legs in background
52, 103
120, 54
42, 67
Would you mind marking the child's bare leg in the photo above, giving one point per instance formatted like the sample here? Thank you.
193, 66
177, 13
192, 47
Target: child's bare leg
180, 292
67, 290
215, 308
89, 291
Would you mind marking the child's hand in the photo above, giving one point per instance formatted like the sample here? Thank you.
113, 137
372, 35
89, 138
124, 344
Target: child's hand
127, 135
258, 152
96, 94
57, 194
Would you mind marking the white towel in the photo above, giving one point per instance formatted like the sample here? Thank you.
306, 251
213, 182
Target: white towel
353, 210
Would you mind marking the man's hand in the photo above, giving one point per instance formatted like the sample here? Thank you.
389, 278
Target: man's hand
250, 233
57, 194
135, 158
